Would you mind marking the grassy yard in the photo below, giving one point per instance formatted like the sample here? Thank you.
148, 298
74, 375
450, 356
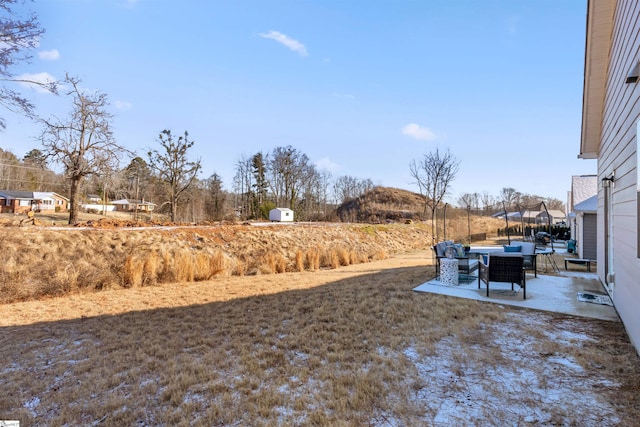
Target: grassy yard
349, 346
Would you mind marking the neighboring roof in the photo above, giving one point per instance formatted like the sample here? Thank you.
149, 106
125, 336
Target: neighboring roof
282, 209
600, 15
554, 213
131, 202
588, 206
47, 195
582, 188
29, 195
9, 194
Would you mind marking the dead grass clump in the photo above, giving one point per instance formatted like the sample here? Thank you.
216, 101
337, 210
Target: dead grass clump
184, 266
299, 263
202, 267
168, 272
344, 258
273, 263
132, 272
329, 259
312, 259
358, 257
281, 264
151, 268
268, 265
217, 263
63, 281
378, 255
240, 268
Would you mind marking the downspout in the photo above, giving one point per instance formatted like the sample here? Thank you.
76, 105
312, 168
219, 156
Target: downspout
609, 278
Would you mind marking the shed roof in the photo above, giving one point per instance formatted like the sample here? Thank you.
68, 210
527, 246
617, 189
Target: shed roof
589, 206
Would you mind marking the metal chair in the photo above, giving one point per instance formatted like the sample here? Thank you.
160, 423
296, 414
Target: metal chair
503, 268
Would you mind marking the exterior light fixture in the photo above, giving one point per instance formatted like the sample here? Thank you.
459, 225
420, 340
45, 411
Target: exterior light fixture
634, 74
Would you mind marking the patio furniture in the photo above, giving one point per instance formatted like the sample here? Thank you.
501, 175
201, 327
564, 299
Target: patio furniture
530, 257
449, 271
466, 265
547, 255
504, 268
581, 261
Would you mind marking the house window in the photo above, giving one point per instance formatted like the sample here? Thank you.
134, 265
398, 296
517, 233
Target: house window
25, 202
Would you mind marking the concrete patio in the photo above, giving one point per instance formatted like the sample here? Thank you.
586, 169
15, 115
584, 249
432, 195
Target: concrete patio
556, 293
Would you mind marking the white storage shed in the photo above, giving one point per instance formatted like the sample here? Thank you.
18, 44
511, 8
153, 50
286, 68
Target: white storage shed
281, 215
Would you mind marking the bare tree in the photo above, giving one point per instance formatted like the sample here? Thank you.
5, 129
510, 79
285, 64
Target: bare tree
173, 167
508, 196
17, 36
349, 187
288, 168
260, 186
243, 184
83, 143
487, 202
467, 201
324, 181
216, 197
433, 175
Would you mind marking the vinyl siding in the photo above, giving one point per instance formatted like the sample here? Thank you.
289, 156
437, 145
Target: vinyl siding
618, 155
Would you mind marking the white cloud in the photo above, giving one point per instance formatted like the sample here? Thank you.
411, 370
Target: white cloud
326, 164
343, 95
34, 81
287, 41
418, 132
49, 55
123, 105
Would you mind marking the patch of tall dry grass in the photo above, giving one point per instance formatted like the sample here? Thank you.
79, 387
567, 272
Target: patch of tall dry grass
42, 262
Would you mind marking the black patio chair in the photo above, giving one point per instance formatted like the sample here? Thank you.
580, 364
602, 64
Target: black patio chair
503, 268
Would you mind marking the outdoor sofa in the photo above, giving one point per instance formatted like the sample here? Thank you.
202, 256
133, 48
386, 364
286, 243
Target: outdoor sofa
466, 265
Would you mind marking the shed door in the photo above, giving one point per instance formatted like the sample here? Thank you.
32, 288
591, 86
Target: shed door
590, 236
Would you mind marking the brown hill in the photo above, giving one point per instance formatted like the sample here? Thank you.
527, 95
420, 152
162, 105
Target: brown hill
383, 204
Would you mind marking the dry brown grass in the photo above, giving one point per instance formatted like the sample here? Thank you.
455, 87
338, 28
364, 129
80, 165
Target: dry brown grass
351, 346
45, 262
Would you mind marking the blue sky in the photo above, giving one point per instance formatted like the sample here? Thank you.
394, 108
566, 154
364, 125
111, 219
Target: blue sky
362, 87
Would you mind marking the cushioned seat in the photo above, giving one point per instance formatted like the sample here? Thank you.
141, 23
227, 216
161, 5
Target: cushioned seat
506, 267
466, 265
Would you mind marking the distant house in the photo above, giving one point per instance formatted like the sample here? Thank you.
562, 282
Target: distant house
94, 198
583, 215
125, 205
527, 217
23, 201
281, 215
586, 237
555, 217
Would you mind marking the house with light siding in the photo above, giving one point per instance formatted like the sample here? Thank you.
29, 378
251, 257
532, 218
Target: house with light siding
18, 202
583, 215
610, 134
